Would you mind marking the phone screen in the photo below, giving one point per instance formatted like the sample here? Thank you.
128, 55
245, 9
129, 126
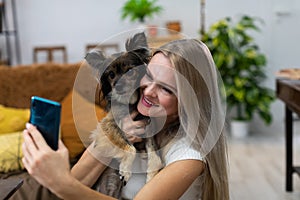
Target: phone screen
45, 115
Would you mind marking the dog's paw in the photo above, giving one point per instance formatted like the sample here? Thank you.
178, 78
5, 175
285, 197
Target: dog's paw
125, 176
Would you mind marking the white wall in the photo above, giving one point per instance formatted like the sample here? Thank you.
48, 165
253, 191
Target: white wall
76, 23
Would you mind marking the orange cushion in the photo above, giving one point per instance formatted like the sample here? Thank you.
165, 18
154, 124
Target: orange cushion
78, 118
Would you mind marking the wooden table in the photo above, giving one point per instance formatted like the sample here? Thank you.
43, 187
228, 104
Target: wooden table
8, 187
289, 92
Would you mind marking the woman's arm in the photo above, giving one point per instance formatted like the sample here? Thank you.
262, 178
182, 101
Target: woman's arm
51, 168
74, 190
172, 181
88, 169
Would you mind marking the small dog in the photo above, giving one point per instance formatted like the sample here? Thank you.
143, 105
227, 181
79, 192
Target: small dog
119, 77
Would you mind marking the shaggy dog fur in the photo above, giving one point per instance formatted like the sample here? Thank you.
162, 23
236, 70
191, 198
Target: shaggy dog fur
119, 77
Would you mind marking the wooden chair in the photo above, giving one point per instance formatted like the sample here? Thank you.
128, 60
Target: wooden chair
50, 50
106, 48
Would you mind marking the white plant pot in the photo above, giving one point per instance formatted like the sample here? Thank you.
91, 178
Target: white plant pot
239, 129
140, 26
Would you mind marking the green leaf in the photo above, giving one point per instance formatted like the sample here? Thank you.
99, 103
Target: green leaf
140, 9
241, 65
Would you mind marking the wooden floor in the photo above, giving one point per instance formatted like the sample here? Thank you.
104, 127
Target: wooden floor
257, 169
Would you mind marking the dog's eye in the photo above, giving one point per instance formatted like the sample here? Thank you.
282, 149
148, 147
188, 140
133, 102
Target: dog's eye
111, 75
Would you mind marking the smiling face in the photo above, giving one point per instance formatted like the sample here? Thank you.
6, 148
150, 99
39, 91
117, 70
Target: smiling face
158, 89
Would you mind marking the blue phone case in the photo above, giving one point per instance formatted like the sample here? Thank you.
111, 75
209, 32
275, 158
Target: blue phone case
45, 115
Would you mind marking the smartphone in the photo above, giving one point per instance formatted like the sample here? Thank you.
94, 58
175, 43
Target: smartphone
45, 115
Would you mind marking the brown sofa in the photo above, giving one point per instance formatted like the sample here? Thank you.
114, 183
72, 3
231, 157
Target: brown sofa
19, 83
55, 82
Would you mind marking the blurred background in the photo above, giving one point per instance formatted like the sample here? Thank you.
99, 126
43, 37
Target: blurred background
75, 24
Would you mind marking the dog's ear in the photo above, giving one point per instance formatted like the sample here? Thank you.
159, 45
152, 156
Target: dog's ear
96, 60
138, 41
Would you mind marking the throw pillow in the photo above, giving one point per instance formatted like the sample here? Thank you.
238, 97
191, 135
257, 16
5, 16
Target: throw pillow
11, 152
13, 119
77, 124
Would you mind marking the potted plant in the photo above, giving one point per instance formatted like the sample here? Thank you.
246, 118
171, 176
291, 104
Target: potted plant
242, 68
139, 10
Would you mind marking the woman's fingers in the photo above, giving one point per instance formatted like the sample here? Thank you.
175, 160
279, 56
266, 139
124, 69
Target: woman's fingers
26, 163
134, 130
138, 132
30, 147
133, 114
135, 134
41, 162
134, 127
134, 139
63, 149
37, 138
26, 153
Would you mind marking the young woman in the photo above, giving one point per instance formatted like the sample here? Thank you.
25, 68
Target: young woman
181, 94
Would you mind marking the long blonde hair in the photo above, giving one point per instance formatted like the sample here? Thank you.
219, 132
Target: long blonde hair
202, 111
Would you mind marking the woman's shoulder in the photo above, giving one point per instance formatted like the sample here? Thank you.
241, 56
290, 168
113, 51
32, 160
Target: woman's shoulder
180, 149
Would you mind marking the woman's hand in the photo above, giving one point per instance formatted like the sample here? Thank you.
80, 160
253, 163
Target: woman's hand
134, 129
50, 168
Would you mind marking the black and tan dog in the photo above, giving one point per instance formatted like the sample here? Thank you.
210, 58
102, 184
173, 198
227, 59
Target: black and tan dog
119, 76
